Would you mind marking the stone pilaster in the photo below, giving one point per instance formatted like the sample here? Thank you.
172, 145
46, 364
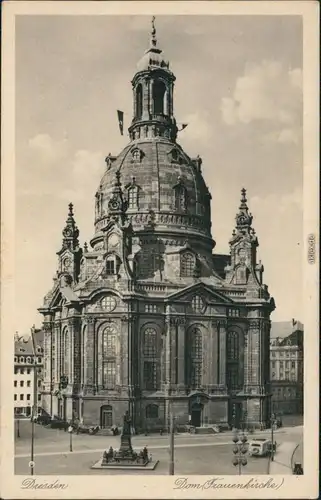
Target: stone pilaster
213, 368
149, 99
181, 329
254, 368
75, 348
222, 351
173, 351
246, 357
89, 349
57, 331
123, 354
48, 359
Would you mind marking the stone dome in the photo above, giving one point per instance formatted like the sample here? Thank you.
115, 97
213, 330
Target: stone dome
169, 186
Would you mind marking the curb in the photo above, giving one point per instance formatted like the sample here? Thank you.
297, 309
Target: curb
282, 463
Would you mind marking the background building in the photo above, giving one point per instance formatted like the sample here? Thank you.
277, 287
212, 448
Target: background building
147, 312
286, 368
24, 366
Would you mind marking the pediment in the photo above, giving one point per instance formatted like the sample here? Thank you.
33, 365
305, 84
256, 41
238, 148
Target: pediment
63, 296
208, 293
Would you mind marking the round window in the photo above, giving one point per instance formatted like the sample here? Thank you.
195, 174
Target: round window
108, 303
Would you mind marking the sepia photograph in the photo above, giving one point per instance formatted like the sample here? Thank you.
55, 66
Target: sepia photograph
159, 199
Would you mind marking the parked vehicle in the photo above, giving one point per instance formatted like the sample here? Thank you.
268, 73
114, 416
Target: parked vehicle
85, 429
43, 419
58, 423
260, 447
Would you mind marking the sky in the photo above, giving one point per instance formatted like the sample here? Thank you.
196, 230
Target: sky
239, 87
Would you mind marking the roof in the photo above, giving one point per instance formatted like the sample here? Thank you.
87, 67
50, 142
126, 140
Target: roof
23, 343
220, 261
283, 329
162, 166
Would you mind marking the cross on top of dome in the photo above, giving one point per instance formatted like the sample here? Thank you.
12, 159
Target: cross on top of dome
153, 39
152, 57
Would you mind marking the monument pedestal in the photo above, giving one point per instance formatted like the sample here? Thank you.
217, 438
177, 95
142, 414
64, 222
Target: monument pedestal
125, 458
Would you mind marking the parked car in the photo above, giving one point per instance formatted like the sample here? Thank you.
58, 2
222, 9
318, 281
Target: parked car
58, 423
43, 419
260, 447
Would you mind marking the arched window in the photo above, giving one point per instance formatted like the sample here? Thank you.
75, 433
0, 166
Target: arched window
28, 359
180, 198
196, 358
187, 264
133, 197
150, 358
139, 101
233, 355
159, 90
152, 411
21, 359
109, 356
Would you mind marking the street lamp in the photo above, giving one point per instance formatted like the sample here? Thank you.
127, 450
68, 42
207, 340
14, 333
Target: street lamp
273, 424
70, 429
35, 402
171, 438
240, 449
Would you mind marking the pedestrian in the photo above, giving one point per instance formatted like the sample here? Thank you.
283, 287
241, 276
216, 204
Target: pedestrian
298, 470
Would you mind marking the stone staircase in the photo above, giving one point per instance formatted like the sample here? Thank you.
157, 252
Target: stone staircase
204, 430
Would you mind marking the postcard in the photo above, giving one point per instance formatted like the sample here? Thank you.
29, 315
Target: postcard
159, 263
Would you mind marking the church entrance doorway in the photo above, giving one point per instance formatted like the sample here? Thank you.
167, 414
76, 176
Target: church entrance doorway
106, 416
196, 414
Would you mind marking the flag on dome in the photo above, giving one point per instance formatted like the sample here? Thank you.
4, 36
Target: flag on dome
183, 125
120, 115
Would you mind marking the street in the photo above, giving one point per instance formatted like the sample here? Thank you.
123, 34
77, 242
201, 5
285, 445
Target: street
194, 454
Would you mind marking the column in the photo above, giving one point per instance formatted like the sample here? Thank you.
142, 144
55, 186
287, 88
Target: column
254, 366
246, 359
181, 351
76, 351
89, 364
167, 351
222, 352
166, 102
123, 354
214, 353
70, 373
150, 97
173, 350
57, 329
